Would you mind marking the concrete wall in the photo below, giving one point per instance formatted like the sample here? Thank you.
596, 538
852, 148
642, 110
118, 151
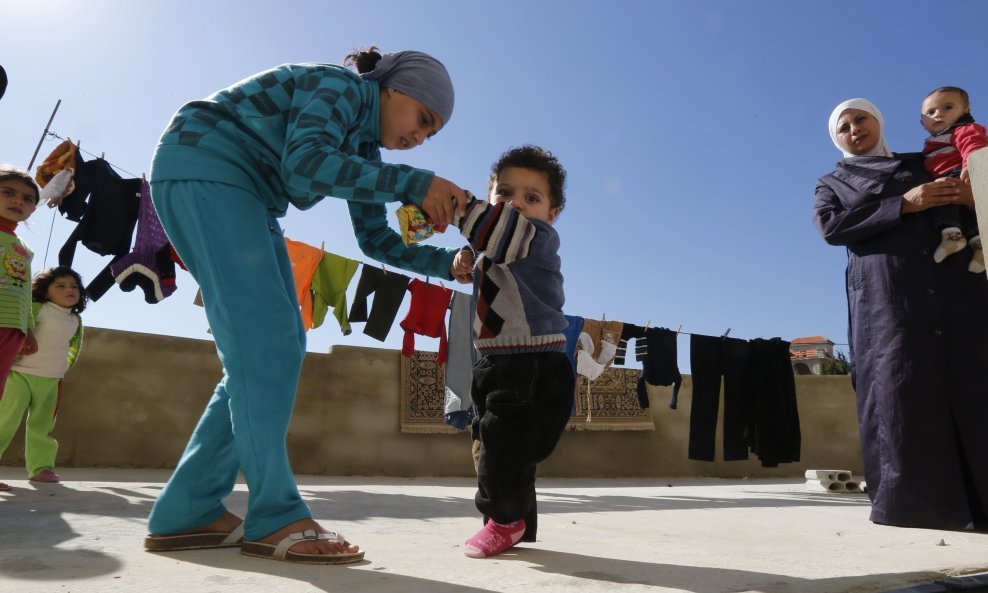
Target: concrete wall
134, 398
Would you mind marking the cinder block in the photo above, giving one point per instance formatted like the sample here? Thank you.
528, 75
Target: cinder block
832, 475
828, 486
834, 486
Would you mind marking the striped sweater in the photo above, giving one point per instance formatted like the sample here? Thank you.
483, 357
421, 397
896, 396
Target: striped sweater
948, 151
15, 283
518, 286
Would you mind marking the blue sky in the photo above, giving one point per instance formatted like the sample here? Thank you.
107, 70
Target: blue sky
693, 132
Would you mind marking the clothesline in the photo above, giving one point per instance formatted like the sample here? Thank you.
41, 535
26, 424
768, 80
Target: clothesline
603, 317
79, 148
51, 226
427, 279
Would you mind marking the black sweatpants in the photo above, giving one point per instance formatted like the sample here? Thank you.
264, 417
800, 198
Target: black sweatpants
389, 291
956, 216
711, 357
522, 404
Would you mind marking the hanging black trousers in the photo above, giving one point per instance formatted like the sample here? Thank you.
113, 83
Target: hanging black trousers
711, 358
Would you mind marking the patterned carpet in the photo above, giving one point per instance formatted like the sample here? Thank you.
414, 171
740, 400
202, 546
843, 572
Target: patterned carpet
613, 403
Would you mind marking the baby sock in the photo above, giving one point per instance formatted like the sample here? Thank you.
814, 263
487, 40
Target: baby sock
977, 265
494, 538
951, 241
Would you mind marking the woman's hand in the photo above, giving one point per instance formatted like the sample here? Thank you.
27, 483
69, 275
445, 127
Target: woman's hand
942, 192
462, 268
443, 200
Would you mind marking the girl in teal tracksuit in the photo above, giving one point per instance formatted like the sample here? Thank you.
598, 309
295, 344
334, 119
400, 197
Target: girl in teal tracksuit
224, 171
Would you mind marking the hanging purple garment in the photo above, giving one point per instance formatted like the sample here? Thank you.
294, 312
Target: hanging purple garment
149, 266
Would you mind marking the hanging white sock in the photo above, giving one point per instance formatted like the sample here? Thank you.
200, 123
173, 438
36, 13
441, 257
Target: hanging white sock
977, 265
951, 241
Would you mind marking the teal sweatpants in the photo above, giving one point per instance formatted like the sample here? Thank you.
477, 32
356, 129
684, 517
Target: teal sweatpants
235, 250
38, 396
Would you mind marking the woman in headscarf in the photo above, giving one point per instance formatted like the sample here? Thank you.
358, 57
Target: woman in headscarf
918, 331
226, 168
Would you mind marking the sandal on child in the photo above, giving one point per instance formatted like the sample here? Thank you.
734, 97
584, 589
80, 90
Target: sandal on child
194, 541
280, 550
46, 475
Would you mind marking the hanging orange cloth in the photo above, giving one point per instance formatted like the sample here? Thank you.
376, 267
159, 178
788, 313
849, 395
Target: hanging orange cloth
63, 157
305, 259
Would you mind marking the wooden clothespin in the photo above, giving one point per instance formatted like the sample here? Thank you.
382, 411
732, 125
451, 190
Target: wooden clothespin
101, 155
648, 323
725, 333
143, 179
679, 328
383, 269
322, 247
78, 143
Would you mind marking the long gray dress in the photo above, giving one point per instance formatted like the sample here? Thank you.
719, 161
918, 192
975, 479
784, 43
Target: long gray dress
918, 333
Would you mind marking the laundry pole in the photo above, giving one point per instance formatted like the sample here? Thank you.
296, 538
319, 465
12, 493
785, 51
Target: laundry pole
43, 134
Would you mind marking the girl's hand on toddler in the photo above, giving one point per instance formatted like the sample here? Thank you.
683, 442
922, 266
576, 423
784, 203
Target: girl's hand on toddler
443, 200
29, 345
462, 268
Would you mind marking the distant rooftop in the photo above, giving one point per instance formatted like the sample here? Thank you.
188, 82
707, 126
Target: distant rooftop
811, 340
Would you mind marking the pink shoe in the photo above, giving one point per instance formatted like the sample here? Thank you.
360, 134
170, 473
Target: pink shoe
494, 538
46, 475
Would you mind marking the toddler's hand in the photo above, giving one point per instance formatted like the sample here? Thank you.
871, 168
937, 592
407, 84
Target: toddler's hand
965, 176
462, 268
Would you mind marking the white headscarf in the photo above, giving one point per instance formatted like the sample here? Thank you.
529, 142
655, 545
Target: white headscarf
880, 149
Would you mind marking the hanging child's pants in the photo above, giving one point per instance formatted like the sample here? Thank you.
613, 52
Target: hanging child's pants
711, 357
389, 291
235, 250
38, 396
523, 402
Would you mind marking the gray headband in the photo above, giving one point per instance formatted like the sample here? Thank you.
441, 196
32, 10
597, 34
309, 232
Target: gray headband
418, 75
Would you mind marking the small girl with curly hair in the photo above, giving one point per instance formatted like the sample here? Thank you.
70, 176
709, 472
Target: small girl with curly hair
34, 382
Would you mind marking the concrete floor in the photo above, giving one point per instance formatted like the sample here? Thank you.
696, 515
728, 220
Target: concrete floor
699, 536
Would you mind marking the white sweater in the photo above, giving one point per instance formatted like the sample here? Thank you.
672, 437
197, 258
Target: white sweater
54, 328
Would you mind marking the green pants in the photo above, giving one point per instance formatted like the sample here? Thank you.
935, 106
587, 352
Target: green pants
38, 396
